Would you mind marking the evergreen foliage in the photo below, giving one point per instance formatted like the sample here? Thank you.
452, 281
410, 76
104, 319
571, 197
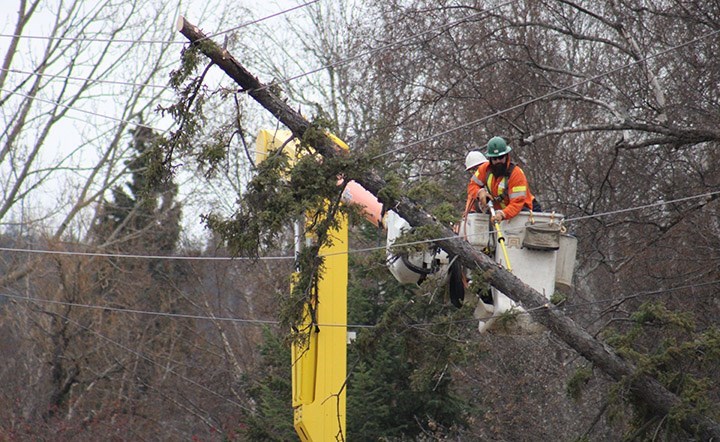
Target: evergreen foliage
271, 390
143, 209
400, 372
666, 345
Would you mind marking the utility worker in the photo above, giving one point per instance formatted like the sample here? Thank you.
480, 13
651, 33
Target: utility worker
473, 160
502, 181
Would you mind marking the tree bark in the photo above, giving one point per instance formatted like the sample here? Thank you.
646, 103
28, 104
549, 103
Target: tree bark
646, 388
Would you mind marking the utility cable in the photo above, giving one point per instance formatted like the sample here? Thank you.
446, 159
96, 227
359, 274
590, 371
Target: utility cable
548, 95
363, 250
164, 367
340, 62
85, 79
303, 5
262, 322
138, 256
624, 298
459, 127
347, 60
105, 308
301, 75
56, 103
132, 41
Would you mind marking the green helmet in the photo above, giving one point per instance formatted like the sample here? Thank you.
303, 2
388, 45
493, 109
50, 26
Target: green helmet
497, 147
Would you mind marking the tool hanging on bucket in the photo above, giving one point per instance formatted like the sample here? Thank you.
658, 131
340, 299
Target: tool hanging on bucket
501, 238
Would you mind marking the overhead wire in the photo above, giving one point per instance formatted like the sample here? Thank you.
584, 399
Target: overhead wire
265, 322
462, 126
262, 322
548, 95
134, 41
385, 153
84, 79
273, 322
87, 112
140, 256
281, 81
277, 14
623, 298
164, 367
347, 60
108, 308
120, 120
705, 195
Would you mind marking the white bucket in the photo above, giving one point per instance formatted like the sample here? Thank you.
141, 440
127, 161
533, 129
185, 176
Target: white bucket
566, 260
476, 229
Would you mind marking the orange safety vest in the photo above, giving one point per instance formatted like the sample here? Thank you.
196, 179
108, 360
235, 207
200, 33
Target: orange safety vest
512, 192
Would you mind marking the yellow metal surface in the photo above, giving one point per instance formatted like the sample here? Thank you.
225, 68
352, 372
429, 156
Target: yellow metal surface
319, 365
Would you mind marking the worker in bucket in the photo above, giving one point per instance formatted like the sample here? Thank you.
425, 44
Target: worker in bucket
473, 160
501, 181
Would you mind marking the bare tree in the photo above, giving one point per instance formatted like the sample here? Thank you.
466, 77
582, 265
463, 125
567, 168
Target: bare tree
78, 81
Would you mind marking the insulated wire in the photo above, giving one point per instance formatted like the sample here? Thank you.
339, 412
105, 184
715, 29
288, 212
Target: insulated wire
452, 129
76, 109
564, 220
344, 61
260, 20
281, 81
164, 367
363, 250
262, 322
548, 95
84, 79
131, 41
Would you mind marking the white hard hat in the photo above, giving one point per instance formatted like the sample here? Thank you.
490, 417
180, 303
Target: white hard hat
474, 159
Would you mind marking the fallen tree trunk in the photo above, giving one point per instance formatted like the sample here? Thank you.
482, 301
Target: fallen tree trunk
646, 388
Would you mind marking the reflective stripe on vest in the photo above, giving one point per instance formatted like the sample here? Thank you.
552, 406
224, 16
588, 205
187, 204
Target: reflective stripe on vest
518, 191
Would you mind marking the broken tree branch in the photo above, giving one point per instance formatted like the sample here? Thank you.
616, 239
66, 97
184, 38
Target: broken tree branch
646, 388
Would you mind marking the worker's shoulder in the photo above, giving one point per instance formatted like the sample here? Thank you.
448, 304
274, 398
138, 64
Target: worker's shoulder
482, 169
516, 169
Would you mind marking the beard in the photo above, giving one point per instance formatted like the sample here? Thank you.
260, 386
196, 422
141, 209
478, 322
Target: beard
498, 169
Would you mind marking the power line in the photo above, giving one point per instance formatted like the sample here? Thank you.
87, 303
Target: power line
642, 294
106, 308
381, 48
548, 95
85, 79
57, 103
261, 19
91, 40
564, 220
138, 256
289, 79
120, 120
140, 312
260, 322
133, 41
164, 366
363, 250
453, 129
440, 134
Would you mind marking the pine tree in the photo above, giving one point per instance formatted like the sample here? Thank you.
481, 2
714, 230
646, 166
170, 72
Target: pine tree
400, 372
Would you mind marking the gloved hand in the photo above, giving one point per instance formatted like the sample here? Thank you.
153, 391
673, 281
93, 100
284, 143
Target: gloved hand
499, 216
483, 196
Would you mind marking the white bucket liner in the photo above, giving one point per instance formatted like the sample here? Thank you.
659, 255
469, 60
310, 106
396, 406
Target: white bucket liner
475, 228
